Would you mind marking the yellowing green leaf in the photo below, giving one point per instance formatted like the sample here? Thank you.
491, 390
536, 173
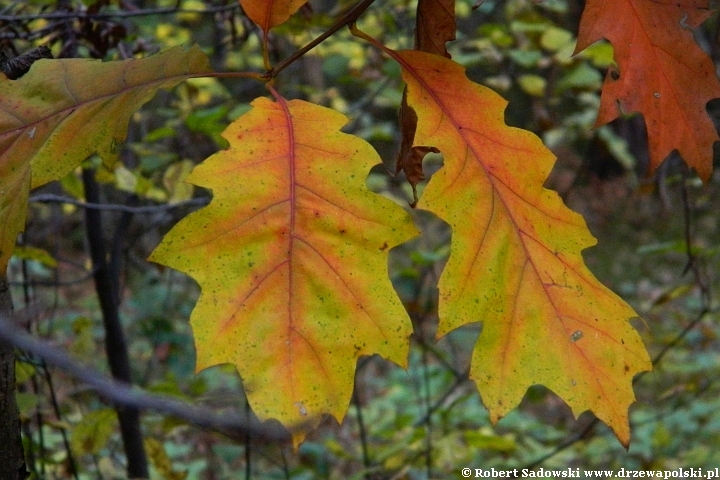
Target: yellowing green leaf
161, 460
92, 433
599, 53
23, 372
174, 181
125, 180
532, 84
37, 254
555, 38
291, 256
515, 261
60, 112
83, 340
27, 403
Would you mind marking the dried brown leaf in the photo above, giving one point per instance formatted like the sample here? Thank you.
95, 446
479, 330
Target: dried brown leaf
435, 27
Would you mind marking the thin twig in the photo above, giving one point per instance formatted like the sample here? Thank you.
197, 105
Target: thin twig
363, 433
248, 444
687, 211
441, 401
116, 347
119, 14
428, 418
50, 198
350, 17
567, 443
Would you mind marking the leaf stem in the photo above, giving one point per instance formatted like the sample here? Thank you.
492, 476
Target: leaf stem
255, 76
265, 54
360, 34
348, 18
367, 463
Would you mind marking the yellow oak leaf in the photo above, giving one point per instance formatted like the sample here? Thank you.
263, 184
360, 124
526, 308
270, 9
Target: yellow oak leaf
291, 257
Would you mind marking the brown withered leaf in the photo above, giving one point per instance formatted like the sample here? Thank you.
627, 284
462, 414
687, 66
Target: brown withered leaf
410, 158
661, 72
435, 26
15, 68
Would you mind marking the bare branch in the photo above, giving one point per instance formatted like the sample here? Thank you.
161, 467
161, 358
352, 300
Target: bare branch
231, 423
351, 16
50, 198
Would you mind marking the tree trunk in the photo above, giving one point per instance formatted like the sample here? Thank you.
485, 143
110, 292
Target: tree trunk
12, 461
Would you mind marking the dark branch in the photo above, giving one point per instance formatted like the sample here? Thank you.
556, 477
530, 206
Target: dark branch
15, 68
119, 14
50, 198
350, 17
115, 342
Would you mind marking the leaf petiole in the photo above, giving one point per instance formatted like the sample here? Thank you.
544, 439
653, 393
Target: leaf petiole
348, 18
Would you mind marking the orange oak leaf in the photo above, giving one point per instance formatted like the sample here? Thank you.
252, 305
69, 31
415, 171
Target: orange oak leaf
291, 257
663, 74
270, 13
515, 261
59, 113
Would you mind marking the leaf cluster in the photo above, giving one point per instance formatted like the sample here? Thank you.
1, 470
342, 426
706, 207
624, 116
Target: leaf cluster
291, 253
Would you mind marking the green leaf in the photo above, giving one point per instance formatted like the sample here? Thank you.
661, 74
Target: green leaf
92, 433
